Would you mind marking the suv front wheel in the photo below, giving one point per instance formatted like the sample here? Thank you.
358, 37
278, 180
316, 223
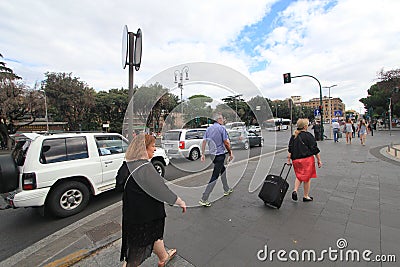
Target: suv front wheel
159, 166
68, 199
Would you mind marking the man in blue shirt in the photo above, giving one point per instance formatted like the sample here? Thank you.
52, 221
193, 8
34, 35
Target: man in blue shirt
218, 141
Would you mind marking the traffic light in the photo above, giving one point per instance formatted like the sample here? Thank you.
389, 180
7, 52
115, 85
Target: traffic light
320, 109
287, 78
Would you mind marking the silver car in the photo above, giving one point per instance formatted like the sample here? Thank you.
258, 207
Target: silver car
183, 143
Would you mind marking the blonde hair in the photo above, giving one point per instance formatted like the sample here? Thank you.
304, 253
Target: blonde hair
301, 123
137, 149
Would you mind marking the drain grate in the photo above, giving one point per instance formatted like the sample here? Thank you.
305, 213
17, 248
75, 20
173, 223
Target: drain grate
355, 161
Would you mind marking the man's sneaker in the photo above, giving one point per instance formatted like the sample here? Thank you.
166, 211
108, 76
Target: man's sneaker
230, 190
204, 203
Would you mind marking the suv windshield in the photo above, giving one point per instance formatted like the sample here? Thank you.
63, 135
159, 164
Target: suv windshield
19, 152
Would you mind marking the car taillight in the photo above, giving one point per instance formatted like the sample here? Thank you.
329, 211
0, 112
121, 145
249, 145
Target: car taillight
29, 181
181, 144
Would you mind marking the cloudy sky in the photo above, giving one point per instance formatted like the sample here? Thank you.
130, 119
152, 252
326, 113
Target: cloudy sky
343, 42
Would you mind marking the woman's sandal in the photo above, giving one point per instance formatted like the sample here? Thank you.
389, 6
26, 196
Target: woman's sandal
308, 199
171, 254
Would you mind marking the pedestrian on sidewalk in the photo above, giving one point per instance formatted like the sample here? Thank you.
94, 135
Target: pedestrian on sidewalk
353, 134
217, 139
317, 130
143, 211
349, 131
370, 128
301, 151
362, 130
336, 130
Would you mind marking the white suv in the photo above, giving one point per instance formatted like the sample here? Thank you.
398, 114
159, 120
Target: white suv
60, 172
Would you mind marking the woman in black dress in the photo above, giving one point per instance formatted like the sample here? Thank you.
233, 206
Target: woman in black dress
143, 212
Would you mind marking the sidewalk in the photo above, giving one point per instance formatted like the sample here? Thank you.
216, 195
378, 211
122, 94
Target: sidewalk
356, 197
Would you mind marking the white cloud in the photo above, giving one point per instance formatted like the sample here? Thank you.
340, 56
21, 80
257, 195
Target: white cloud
345, 45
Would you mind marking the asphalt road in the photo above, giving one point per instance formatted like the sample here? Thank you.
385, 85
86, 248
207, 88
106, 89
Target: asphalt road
20, 228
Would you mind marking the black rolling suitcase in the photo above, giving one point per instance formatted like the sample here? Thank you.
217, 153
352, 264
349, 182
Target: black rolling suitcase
274, 189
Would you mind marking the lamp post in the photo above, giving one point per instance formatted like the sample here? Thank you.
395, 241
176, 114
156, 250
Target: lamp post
185, 70
330, 105
45, 107
235, 97
394, 90
276, 110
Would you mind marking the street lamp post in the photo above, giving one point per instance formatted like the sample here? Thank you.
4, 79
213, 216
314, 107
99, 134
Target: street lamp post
185, 70
330, 106
394, 90
45, 107
276, 110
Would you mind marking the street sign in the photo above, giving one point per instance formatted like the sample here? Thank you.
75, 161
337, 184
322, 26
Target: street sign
338, 113
317, 113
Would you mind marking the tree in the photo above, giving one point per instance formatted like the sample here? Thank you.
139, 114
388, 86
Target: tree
380, 92
197, 110
110, 109
259, 110
238, 105
19, 105
69, 99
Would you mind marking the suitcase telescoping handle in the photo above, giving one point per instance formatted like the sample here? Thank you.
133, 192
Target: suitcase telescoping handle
287, 174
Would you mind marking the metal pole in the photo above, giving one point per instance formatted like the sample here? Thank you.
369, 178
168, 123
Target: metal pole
390, 115
45, 106
130, 92
320, 102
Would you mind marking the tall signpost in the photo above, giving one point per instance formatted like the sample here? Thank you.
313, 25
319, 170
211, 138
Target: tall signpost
287, 78
131, 56
330, 107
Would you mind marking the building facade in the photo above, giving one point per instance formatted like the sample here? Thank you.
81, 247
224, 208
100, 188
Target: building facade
329, 106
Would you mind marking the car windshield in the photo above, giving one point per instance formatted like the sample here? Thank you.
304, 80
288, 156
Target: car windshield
173, 135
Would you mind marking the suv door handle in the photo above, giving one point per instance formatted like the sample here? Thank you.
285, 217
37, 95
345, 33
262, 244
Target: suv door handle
108, 162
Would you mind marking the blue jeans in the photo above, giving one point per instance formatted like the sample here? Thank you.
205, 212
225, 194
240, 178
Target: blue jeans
335, 134
219, 169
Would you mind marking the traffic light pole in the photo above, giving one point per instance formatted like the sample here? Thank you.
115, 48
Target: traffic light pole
320, 102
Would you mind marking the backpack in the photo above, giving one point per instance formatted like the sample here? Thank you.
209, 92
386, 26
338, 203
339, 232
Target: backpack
122, 176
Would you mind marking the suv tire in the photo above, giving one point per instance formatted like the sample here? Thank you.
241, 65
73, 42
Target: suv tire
67, 199
8, 174
159, 166
194, 154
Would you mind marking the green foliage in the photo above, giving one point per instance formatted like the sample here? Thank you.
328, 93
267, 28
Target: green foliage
69, 99
17, 102
197, 110
380, 92
110, 108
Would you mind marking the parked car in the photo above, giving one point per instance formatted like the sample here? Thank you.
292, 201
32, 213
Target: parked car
60, 172
244, 139
255, 139
183, 143
254, 128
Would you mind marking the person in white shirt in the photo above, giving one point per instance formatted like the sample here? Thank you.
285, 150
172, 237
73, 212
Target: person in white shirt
336, 129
